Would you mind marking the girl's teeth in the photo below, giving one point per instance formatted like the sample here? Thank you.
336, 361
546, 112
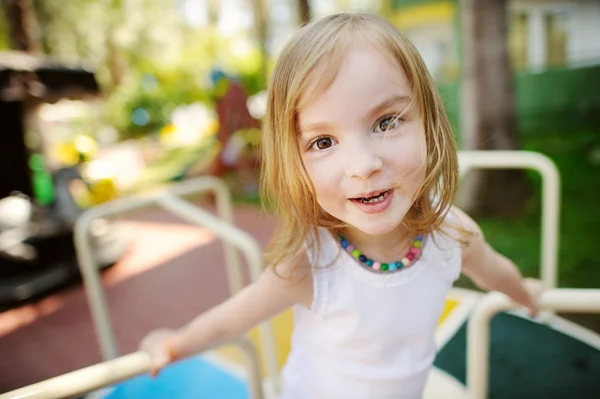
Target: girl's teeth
374, 200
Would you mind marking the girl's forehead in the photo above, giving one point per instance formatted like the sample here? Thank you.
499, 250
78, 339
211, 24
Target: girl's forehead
363, 77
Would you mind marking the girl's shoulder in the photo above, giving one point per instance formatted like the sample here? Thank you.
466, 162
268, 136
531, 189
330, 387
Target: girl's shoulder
294, 277
321, 249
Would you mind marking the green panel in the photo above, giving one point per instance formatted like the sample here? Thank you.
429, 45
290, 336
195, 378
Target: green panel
550, 101
559, 99
529, 360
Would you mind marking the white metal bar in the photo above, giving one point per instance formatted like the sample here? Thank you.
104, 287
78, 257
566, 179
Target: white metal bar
249, 248
230, 235
478, 328
114, 371
87, 259
550, 196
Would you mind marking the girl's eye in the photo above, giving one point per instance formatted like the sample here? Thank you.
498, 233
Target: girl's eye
387, 123
322, 143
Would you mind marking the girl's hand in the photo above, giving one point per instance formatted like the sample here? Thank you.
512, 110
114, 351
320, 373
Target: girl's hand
534, 288
158, 345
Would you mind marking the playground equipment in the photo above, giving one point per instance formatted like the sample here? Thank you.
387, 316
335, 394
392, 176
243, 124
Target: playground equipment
37, 211
528, 358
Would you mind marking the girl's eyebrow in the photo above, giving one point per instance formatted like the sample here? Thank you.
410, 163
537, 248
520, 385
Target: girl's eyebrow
313, 128
386, 104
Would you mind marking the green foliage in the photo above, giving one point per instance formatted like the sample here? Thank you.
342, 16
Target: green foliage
146, 58
4, 39
155, 94
158, 86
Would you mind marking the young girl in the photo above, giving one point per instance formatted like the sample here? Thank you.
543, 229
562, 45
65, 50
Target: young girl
360, 166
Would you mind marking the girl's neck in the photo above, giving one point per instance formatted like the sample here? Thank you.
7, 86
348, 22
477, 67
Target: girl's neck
386, 247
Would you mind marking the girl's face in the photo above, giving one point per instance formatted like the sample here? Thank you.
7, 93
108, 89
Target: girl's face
366, 166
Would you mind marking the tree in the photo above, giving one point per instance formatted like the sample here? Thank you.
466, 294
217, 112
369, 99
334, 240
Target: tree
261, 21
22, 25
111, 36
488, 109
304, 11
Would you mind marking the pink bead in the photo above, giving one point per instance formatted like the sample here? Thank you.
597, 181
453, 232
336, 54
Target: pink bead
414, 251
350, 248
410, 256
376, 265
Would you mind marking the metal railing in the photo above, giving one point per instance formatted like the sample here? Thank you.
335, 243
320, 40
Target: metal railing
478, 328
565, 300
169, 199
549, 245
110, 372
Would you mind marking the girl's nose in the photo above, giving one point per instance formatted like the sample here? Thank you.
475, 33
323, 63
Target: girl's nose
362, 159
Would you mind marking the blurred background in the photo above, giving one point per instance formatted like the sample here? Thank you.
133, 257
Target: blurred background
103, 99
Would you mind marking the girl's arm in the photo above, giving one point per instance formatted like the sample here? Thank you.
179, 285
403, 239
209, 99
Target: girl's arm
490, 270
261, 300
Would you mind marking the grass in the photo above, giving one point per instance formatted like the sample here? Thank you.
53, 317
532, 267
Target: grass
579, 255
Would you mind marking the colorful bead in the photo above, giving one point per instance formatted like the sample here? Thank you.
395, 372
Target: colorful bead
412, 254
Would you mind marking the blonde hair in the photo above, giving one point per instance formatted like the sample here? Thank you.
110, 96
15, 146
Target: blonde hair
319, 49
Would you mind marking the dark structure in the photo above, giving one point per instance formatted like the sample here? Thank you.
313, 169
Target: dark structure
37, 255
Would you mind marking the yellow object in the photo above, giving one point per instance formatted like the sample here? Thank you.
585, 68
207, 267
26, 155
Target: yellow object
420, 15
449, 306
81, 149
103, 190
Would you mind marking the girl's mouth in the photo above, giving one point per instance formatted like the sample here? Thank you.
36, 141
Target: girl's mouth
375, 203
380, 197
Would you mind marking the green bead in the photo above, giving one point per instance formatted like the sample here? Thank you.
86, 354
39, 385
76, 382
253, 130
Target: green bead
417, 244
384, 266
356, 253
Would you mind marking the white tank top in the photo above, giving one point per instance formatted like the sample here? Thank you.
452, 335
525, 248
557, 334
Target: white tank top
368, 335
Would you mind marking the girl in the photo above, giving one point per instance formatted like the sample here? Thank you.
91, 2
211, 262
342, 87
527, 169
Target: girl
360, 166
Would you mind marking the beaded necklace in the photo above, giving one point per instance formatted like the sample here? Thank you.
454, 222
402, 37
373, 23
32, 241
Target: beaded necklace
413, 254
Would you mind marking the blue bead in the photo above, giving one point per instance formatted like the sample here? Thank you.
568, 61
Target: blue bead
344, 244
399, 265
420, 238
362, 258
369, 262
392, 267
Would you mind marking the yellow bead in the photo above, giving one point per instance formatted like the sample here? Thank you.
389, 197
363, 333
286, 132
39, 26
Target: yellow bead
356, 253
